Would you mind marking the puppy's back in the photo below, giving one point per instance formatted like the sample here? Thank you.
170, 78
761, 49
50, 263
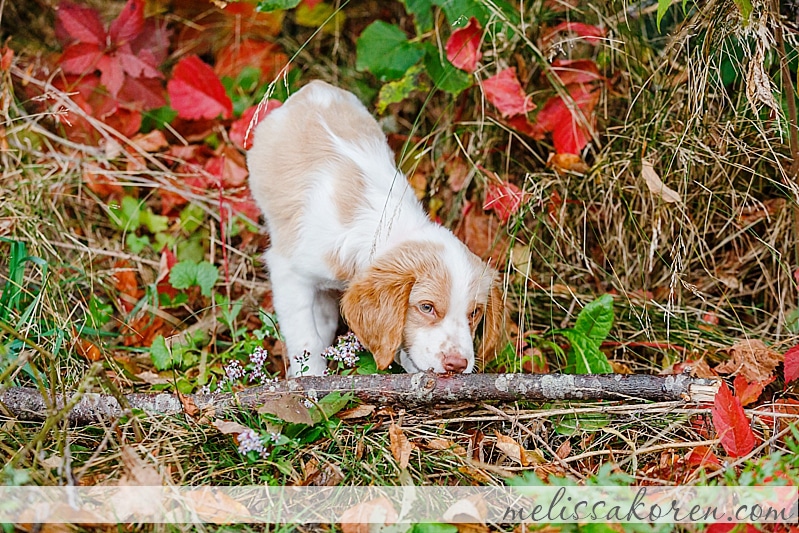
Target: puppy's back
322, 139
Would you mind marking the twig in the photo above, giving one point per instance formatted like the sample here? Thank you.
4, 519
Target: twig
404, 389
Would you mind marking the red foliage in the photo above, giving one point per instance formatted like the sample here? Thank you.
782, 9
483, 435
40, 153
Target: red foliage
731, 423
269, 58
571, 71
590, 33
791, 365
570, 130
195, 92
506, 93
702, 456
239, 129
504, 198
749, 392
463, 46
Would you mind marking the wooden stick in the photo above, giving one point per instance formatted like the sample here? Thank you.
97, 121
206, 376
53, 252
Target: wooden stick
423, 388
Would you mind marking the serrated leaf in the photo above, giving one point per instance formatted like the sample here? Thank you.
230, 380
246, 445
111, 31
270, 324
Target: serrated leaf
206, 277
195, 91
444, 74
584, 356
596, 319
397, 91
383, 49
126, 214
266, 6
160, 354
791, 364
183, 275
155, 223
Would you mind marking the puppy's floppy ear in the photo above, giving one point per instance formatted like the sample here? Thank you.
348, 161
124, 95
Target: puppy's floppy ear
493, 322
374, 306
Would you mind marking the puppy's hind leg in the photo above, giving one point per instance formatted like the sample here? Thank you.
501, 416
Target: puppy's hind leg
295, 299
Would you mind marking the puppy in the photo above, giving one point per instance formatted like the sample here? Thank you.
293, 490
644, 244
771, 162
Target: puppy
342, 218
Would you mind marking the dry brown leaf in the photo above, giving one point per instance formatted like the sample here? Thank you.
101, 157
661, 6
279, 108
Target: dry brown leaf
457, 173
401, 447
467, 511
229, 428
189, 407
564, 450
289, 408
751, 359
562, 163
329, 475
151, 378
216, 507
357, 519
87, 349
445, 444
656, 185
150, 142
359, 411
511, 448
138, 472
479, 231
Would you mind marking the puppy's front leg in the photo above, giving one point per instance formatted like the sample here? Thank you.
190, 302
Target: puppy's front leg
295, 297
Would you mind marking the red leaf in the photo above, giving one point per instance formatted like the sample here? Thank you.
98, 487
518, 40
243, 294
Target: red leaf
731, 423
142, 93
576, 71
155, 38
238, 130
701, 456
112, 75
570, 133
168, 260
506, 93
195, 92
6, 57
78, 23
791, 366
142, 65
81, 58
749, 392
129, 24
504, 198
267, 57
463, 46
311, 3
590, 33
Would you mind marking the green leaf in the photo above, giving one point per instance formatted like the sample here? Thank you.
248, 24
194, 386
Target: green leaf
155, 223
206, 277
584, 355
745, 7
572, 423
434, 528
458, 12
125, 215
422, 14
183, 275
323, 16
397, 91
596, 319
160, 354
157, 118
383, 49
443, 73
99, 312
135, 243
330, 405
191, 217
663, 7
265, 6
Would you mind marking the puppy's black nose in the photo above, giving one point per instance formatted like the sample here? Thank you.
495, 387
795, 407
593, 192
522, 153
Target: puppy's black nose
455, 363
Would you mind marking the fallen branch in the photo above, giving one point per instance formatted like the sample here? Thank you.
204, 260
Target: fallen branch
402, 389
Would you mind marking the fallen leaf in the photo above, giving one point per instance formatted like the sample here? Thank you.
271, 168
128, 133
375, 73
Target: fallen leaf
656, 185
791, 367
401, 447
696, 368
504, 198
752, 359
195, 92
481, 234
590, 33
150, 142
571, 129
229, 428
151, 378
216, 507
472, 510
78, 23
126, 283
749, 392
512, 449
564, 450
463, 46
95, 177
6, 58
329, 475
357, 519
359, 411
564, 162
571, 71
731, 423
87, 349
189, 407
290, 408
701, 456
137, 471
458, 173
506, 93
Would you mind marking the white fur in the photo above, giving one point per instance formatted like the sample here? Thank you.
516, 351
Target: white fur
304, 154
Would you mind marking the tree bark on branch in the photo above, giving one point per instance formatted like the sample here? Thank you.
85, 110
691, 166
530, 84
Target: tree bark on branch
401, 389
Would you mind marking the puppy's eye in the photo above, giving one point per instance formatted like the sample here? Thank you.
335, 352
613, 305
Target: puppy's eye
427, 308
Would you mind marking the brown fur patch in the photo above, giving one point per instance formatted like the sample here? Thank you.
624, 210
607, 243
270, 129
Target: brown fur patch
375, 305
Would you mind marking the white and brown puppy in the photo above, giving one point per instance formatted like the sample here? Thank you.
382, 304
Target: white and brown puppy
341, 217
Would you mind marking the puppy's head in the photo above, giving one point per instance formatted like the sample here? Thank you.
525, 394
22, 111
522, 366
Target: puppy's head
430, 300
